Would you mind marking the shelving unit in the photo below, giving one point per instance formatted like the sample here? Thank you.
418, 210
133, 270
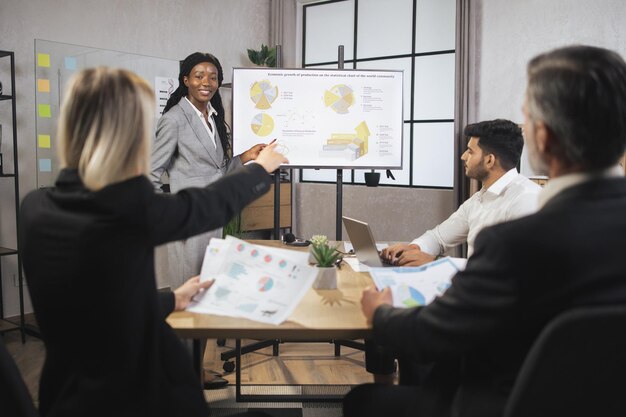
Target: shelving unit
5, 325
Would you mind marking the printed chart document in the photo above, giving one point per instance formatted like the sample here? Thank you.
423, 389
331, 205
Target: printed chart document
252, 281
417, 286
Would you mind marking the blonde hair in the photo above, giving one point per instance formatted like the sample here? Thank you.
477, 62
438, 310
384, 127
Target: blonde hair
105, 126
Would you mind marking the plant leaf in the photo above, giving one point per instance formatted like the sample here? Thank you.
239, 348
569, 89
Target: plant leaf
325, 255
253, 56
271, 59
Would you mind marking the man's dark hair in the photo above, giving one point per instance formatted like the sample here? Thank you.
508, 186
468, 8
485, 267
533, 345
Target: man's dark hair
500, 137
579, 92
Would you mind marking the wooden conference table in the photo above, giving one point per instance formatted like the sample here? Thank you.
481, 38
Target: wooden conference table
322, 315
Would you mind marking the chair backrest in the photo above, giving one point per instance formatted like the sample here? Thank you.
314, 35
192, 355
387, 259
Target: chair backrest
576, 367
15, 400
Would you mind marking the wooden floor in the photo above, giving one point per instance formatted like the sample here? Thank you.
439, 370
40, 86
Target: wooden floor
297, 363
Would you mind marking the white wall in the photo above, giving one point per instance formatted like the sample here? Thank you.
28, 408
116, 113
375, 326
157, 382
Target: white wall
512, 32
163, 28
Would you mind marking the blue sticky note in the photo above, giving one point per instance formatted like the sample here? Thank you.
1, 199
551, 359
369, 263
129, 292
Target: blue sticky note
70, 63
45, 165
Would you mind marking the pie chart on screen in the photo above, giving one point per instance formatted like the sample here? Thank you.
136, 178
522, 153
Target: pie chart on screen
262, 124
263, 94
339, 98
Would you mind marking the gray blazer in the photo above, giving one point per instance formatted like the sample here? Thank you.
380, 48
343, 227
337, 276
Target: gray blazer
183, 148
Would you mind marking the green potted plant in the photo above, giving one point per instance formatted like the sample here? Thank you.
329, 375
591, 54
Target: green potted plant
264, 57
326, 258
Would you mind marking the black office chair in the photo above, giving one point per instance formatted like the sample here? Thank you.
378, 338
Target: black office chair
15, 400
576, 367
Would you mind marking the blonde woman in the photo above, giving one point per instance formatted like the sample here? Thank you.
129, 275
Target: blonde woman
88, 253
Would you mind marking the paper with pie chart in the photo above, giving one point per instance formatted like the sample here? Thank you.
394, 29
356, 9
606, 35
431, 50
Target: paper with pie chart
417, 286
321, 118
253, 281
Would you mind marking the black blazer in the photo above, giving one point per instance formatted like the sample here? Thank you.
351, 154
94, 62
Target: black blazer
571, 253
89, 263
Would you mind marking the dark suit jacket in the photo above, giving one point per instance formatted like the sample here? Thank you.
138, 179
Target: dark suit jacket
89, 263
522, 273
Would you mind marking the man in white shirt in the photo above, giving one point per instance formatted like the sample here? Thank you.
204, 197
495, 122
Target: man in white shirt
493, 151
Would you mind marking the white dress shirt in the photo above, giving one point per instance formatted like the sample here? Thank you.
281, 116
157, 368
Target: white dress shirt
558, 184
211, 112
510, 197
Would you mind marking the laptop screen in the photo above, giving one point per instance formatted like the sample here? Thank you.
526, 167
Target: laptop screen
363, 242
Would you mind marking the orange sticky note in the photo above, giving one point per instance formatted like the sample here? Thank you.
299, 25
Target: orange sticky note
43, 141
43, 60
43, 86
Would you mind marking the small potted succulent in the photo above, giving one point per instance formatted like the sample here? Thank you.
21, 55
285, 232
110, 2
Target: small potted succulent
326, 258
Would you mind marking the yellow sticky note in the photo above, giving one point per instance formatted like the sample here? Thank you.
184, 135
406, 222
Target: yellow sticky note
43, 60
44, 110
43, 86
43, 141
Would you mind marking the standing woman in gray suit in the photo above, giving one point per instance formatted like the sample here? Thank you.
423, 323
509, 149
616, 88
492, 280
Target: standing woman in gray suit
193, 145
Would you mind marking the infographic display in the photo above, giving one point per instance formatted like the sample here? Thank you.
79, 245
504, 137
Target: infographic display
321, 118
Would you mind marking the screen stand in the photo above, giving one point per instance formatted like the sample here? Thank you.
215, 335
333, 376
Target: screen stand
276, 235
338, 343
279, 64
340, 65
339, 204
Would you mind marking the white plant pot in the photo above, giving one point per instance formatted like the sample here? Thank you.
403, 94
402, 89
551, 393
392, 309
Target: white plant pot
326, 278
311, 257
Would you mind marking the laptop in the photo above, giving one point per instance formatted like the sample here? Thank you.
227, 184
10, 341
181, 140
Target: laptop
363, 243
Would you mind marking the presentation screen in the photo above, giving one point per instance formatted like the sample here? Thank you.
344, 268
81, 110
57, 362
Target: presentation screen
321, 118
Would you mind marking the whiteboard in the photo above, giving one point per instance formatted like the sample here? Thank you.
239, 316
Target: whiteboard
56, 62
321, 118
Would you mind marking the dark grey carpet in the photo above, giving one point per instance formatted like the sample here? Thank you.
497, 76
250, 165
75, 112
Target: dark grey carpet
223, 404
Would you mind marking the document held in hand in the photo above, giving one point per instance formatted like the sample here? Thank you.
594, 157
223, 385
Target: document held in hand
253, 281
417, 286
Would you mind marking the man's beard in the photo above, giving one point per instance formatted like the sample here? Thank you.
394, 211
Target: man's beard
478, 173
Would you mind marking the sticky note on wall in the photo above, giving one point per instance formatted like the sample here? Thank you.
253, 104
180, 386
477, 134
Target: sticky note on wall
43, 60
70, 63
44, 110
43, 141
45, 165
43, 86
